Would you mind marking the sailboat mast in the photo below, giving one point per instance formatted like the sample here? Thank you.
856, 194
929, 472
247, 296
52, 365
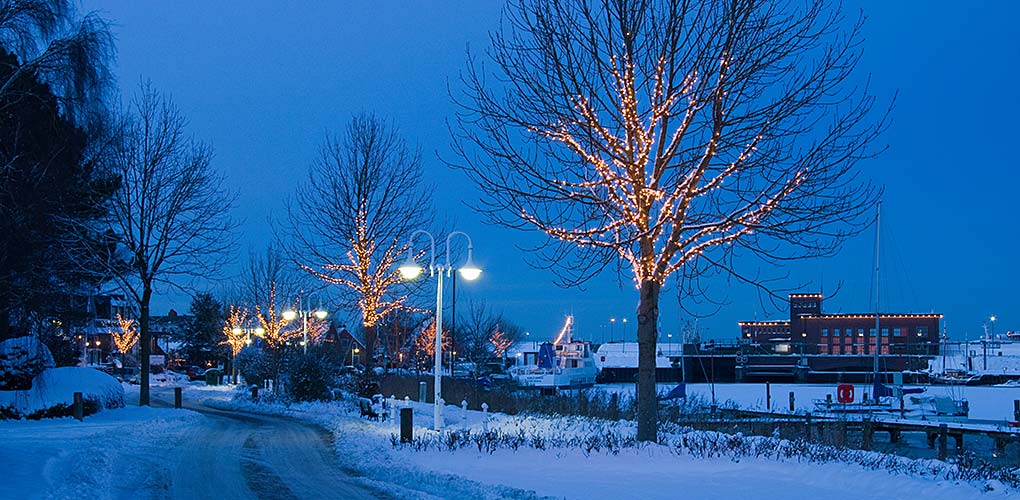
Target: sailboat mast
878, 330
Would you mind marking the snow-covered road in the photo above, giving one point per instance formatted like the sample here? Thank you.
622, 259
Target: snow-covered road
246, 456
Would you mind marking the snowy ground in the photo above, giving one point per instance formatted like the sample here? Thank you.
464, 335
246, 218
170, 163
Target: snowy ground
986, 402
142, 453
650, 471
112, 454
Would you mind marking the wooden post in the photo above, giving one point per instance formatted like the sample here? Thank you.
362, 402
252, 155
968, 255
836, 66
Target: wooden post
177, 398
943, 438
792, 405
79, 406
254, 393
406, 425
867, 434
768, 396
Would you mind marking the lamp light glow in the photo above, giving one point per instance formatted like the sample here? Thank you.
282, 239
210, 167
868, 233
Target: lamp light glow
321, 314
410, 270
469, 272
289, 315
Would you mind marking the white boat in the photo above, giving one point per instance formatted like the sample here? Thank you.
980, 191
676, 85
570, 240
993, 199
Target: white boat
926, 407
564, 363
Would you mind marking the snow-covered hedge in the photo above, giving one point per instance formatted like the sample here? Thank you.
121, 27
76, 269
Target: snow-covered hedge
21, 359
52, 394
596, 435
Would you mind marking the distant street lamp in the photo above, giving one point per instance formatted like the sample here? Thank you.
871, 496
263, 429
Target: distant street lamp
353, 353
258, 331
612, 329
993, 325
290, 314
411, 270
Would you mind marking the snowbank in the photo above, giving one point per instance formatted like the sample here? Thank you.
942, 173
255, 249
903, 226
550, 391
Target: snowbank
56, 386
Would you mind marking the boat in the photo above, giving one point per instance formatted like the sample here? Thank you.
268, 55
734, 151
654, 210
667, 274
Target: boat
921, 407
889, 400
956, 377
564, 363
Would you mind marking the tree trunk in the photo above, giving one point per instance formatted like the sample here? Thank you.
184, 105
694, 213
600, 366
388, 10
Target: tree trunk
647, 319
145, 342
370, 340
5, 322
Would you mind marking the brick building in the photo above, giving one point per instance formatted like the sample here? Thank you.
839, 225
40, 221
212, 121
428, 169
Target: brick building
810, 331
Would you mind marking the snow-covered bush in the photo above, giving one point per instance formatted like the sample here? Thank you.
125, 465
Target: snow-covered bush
254, 364
52, 394
21, 359
310, 378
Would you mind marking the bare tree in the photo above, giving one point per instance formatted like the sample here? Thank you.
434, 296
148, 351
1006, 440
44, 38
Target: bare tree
67, 51
671, 136
478, 340
169, 218
363, 198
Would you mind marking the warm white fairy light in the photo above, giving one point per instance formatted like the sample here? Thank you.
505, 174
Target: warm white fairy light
127, 336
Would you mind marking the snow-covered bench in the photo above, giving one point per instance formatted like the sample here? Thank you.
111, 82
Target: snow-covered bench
369, 410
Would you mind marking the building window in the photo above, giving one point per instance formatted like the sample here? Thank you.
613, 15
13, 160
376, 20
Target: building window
922, 331
885, 332
860, 332
825, 332
897, 332
871, 331
835, 332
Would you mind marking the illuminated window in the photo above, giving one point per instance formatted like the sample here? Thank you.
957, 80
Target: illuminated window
897, 332
825, 332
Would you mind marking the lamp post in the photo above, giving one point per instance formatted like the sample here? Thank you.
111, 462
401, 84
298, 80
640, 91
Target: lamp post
354, 352
411, 270
612, 329
290, 314
258, 331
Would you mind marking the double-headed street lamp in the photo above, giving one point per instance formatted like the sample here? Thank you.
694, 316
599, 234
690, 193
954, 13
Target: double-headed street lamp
411, 270
290, 314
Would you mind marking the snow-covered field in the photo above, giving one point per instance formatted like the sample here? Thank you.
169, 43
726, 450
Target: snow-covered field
986, 402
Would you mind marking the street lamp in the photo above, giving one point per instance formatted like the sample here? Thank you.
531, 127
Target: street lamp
237, 330
993, 325
353, 353
410, 270
290, 314
612, 329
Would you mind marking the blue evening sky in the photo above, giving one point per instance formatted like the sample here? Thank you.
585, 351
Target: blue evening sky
263, 81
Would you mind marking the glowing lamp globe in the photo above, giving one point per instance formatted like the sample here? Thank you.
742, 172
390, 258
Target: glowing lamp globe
470, 272
236, 331
260, 331
321, 314
410, 271
289, 315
